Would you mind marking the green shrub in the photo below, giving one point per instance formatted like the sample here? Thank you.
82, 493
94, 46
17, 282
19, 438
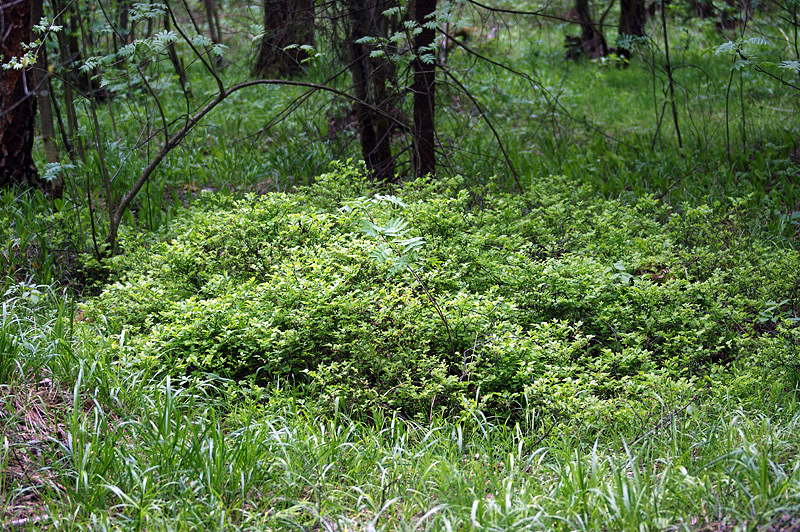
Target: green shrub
443, 297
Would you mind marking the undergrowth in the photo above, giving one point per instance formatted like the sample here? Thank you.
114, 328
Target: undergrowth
443, 300
137, 452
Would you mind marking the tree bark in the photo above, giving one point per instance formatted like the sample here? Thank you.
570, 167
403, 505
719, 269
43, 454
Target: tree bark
213, 20
177, 64
41, 76
371, 76
17, 99
593, 43
632, 18
424, 89
73, 143
125, 31
703, 8
286, 23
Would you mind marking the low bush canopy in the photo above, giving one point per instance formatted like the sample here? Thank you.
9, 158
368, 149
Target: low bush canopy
447, 299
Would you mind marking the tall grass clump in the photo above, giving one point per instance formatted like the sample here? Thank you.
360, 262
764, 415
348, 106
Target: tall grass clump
181, 454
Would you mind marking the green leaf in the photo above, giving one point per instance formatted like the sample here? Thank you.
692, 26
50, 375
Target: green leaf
395, 227
726, 48
369, 228
201, 40
219, 49
790, 65
391, 11
389, 199
758, 41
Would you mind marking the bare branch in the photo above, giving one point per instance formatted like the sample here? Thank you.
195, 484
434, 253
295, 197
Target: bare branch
491, 126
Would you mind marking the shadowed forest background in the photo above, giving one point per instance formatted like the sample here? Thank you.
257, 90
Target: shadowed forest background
399, 265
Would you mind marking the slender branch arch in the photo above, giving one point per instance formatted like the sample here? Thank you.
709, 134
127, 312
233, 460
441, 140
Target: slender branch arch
176, 138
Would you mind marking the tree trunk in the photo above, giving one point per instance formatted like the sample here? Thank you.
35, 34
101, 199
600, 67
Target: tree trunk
70, 42
703, 8
73, 143
214, 29
213, 20
424, 88
359, 70
593, 43
177, 64
286, 23
632, 20
41, 76
17, 99
370, 87
124, 20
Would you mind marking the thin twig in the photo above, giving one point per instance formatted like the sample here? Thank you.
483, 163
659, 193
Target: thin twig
614, 330
488, 123
538, 85
677, 181
667, 419
540, 13
171, 142
761, 70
